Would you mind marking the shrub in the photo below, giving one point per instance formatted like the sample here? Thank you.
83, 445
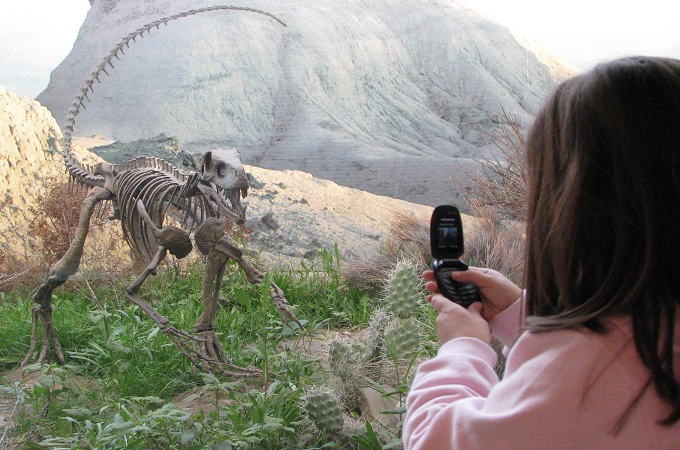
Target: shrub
48, 236
501, 186
408, 239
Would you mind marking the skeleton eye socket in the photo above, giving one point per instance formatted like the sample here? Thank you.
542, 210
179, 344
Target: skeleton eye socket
220, 170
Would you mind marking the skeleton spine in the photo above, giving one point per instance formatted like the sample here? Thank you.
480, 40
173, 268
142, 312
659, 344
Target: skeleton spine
83, 174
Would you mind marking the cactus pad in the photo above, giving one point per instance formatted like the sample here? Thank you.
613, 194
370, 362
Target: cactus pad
404, 290
323, 409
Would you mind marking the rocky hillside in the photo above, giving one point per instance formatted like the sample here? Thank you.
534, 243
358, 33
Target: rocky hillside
383, 95
30, 161
29, 144
291, 214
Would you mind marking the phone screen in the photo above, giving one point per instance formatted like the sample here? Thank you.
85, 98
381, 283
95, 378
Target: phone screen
448, 238
446, 233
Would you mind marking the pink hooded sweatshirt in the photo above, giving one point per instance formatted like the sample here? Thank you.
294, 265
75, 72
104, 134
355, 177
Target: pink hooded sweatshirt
563, 389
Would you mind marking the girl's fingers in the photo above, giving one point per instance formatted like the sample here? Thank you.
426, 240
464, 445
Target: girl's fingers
476, 308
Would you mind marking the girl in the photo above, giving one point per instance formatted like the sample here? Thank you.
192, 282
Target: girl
594, 341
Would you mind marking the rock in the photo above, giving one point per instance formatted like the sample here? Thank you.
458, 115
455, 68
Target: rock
355, 220
386, 96
269, 220
30, 159
162, 146
372, 403
29, 150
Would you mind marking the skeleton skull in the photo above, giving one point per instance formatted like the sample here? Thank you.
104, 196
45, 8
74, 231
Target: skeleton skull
224, 169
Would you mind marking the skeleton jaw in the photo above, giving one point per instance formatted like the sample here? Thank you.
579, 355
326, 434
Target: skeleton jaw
218, 203
234, 196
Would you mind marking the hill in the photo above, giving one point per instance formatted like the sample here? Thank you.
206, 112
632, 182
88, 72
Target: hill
387, 96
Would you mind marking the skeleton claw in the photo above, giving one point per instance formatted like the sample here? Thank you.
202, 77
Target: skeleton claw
281, 304
170, 330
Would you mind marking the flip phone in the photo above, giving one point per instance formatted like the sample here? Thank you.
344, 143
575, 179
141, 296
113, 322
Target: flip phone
447, 245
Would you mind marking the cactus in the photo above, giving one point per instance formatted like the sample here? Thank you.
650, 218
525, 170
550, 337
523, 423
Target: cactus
346, 360
404, 290
324, 410
340, 354
384, 358
402, 339
376, 326
349, 370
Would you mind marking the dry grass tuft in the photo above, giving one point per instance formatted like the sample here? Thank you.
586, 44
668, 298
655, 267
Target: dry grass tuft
408, 239
48, 236
498, 200
502, 185
496, 243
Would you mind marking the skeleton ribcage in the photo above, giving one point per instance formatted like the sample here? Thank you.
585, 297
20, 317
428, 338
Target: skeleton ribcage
164, 200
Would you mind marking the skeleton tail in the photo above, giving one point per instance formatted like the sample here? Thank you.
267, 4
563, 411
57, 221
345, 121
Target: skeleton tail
83, 174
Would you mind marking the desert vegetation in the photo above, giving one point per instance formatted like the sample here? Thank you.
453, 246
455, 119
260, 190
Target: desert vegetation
46, 237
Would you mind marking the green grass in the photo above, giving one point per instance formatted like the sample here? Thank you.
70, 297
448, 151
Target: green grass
139, 369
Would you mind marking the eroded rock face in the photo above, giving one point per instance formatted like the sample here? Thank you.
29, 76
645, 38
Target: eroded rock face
382, 95
30, 159
29, 153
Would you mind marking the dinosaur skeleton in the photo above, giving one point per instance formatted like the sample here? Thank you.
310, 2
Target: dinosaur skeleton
144, 192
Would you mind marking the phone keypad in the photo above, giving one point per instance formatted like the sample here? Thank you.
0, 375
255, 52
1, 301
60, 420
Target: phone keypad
464, 294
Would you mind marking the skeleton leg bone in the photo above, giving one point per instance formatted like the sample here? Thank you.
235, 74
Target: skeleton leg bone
62, 270
215, 358
178, 243
179, 337
227, 246
210, 237
206, 353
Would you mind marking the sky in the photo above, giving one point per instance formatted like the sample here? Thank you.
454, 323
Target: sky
36, 35
585, 32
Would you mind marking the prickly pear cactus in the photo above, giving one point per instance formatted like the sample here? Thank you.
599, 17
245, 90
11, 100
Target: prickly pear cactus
376, 333
402, 339
337, 354
404, 290
346, 357
349, 368
324, 410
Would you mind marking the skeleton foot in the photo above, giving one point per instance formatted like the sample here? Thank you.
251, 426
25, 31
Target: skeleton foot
206, 353
49, 336
215, 360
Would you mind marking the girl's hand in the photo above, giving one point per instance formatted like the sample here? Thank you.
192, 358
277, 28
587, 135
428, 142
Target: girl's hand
497, 291
454, 321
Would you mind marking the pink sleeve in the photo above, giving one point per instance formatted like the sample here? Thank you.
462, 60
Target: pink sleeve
506, 325
456, 400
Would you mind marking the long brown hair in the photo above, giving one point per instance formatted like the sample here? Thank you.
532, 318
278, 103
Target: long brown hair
603, 227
